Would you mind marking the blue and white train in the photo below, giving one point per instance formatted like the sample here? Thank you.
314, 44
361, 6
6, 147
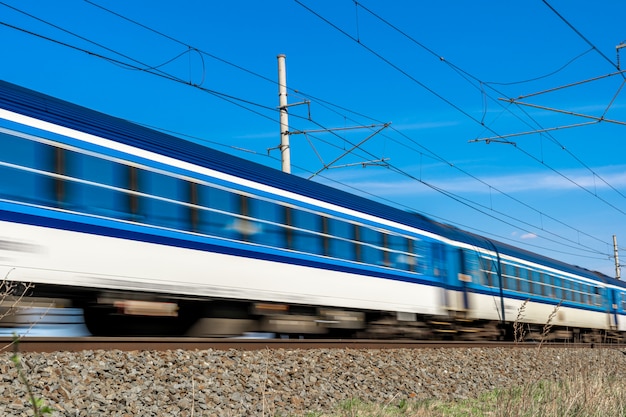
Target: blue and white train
151, 234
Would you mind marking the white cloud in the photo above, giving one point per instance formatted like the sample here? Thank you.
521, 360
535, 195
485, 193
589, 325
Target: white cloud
510, 183
528, 236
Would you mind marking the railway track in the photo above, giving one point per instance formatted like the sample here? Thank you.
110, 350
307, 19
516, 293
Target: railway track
75, 344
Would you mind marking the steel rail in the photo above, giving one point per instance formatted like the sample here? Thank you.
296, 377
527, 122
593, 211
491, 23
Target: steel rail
76, 344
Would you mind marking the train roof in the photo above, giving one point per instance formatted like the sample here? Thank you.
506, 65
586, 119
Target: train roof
43, 107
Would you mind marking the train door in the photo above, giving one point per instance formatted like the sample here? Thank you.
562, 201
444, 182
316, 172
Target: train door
614, 300
464, 278
449, 264
440, 271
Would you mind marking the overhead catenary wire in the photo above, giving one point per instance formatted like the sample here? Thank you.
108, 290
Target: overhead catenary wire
458, 108
432, 52
571, 26
465, 73
215, 57
273, 81
441, 159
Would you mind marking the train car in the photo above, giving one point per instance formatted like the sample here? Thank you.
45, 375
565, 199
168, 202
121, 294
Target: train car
152, 234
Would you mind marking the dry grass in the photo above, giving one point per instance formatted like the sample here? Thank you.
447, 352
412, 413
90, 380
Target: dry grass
519, 330
590, 388
588, 391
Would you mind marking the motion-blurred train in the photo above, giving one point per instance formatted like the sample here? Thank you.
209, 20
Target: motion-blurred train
151, 234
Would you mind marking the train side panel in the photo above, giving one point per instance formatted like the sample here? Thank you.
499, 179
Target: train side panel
101, 263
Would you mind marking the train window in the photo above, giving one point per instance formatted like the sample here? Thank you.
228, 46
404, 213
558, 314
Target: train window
510, 282
518, 279
389, 254
59, 169
324, 227
557, 288
597, 300
533, 277
550, 286
163, 206
579, 292
525, 279
371, 241
306, 237
386, 256
289, 230
244, 226
490, 279
217, 216
567, 290
534, 287
504, 270
103, 188
24, 185
582, 288
36, 187
586, 289
22, 152
132, 197
396, 248
487, 267
543, 287
193, 211
340, 244
576, 291
270, 216
439, 260
412, 256
490, 268
507, 282
356, 238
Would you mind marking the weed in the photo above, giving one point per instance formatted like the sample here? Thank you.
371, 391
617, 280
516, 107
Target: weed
518, 327
548, 326
39, 408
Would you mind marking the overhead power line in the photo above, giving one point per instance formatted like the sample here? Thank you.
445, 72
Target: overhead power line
541, 130
452, 104
560, 16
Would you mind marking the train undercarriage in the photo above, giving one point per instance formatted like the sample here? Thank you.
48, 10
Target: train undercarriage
115, 314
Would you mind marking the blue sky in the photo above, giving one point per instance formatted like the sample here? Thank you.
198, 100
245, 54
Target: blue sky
442, 73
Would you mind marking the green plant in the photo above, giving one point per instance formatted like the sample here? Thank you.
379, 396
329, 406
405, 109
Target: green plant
39, 408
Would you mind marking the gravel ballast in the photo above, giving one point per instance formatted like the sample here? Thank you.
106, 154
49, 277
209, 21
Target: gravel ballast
277, 382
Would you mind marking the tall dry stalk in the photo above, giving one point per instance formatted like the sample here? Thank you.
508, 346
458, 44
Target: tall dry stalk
11, 294
519, 332
548, 326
